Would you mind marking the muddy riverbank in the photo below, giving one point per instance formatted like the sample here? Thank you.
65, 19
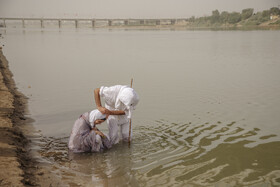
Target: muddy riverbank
17, 165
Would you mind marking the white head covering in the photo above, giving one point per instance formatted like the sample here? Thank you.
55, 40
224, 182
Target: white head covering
94, 115
129, 98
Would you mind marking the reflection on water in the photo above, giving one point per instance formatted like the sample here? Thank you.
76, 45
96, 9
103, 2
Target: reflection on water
106, 168
174, 154
208, 114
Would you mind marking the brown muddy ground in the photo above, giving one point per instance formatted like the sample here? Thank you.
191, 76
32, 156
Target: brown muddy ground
17, 165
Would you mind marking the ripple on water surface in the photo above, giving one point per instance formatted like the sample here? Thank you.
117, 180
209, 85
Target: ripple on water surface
174, 154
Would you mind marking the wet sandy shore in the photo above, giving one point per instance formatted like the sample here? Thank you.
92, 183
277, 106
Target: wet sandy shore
18, 166
15, 163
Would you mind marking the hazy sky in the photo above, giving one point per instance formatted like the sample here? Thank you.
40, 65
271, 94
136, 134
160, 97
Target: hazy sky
126, 8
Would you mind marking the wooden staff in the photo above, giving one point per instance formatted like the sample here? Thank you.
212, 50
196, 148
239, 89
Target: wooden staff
130, 119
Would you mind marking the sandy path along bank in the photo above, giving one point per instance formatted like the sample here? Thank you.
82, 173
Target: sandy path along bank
15, 163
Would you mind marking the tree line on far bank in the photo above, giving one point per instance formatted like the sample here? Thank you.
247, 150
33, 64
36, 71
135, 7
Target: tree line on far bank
247, 18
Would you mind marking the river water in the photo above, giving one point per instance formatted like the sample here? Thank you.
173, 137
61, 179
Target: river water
208, 113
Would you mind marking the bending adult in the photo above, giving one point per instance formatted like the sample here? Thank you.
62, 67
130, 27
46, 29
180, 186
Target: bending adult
120, 101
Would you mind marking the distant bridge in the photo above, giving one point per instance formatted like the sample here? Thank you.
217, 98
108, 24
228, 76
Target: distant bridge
94, 22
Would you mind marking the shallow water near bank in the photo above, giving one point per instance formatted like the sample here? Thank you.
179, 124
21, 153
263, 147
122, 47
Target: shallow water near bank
208, 114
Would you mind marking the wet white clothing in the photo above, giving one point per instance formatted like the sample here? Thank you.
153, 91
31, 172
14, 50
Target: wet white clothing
94, 115
83, 139
119, 98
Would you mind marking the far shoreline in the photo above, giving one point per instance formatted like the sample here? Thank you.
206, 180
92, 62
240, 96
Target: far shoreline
170, 27
153, 27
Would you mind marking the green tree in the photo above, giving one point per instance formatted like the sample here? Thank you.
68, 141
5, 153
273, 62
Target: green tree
266, 14
215, 16
192, 19
259, 18
224, 16
234, 17
274, 11
247, 13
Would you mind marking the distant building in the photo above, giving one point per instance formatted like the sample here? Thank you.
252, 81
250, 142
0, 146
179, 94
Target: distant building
272, 17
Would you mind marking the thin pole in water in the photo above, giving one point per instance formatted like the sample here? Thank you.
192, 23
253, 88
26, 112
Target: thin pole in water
130, 119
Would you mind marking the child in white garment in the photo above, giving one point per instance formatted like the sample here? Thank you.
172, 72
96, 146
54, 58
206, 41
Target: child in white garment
85, 136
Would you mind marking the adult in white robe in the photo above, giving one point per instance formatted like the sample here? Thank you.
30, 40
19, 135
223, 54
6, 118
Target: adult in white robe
120, 101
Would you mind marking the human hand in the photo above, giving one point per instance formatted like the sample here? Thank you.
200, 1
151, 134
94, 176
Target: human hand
98, 121
100, 133
104, 110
